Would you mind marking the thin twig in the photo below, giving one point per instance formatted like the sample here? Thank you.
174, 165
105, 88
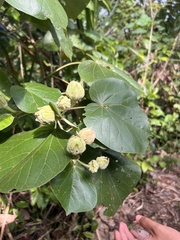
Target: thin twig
42, 237
166, 63
74, 108
52, 69
150, 45
64, 66
98, 234
21, 60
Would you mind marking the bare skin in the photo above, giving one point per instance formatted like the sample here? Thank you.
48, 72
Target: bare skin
156, 231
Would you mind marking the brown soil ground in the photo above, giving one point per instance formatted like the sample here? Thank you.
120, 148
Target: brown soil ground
159, 199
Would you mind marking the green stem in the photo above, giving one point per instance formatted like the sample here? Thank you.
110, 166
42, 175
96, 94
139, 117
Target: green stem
83, 164
10, 109
68, 122
74, 108
64, 66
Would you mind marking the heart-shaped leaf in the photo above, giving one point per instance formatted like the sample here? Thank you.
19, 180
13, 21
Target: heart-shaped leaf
91, 71
74, 189
116, 117
31, 159
116, 182
33, 95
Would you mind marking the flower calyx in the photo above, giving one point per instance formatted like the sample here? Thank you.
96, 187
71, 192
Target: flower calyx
88, 135
76, 145
103, 162
45, 115
75, 91
93, 166
99, 163
63, 103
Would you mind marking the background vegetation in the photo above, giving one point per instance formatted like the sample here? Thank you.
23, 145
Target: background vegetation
141, 38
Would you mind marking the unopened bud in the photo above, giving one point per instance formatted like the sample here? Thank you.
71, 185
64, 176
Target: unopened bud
76, 145
75, 91
3, 102
63, 103
45, 115
93, 166
87, 134
103, 162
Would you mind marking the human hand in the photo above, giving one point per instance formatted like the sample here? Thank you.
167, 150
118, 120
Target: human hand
156, 231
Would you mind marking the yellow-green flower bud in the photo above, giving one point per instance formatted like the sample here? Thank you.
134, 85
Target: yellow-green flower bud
76, 145
63, 103
87, 134
103, 162
45, 115
75, 91
3, 102
93, 166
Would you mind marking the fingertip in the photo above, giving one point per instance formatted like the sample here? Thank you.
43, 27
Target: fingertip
138, 217
116, 234
123, 225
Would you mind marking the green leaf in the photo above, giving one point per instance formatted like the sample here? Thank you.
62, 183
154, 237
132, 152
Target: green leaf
49, 43
107, 4
1, 2
91, 71
74, 189
31, 159
62, 40
43, 9
4, 84
5, 120
74, 8
116, 182
146, 167
139, 31
143, 21
22, 204
89, 235
138, 53
116, 118
33, 95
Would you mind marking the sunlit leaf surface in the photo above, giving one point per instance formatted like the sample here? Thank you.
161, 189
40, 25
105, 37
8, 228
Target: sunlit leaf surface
116, 117
33, 95
31, 159
74, 189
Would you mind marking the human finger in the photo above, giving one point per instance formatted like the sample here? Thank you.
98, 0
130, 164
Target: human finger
117, 235
147, 224
125, 233
137, 235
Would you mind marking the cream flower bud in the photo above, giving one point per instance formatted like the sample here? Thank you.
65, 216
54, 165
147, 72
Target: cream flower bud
76, 145
93, 166
45, 115
103, 162
63, 103
75, 91
87, 134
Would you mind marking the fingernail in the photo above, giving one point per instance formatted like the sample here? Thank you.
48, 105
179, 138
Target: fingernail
138, 217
